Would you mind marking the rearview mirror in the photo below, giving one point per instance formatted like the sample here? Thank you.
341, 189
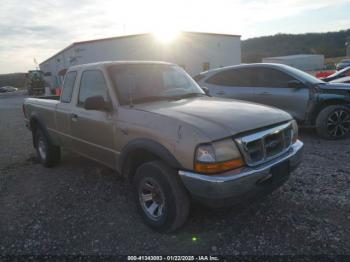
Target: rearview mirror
97, 103
206, 90
295, 84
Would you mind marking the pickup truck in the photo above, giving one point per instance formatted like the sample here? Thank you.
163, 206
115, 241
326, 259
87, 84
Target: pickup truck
154, 125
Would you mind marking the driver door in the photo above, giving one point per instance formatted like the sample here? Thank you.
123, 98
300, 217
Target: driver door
92, 130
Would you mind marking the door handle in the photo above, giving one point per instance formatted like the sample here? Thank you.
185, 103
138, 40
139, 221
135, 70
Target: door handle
74, 117
265, 94
220, 93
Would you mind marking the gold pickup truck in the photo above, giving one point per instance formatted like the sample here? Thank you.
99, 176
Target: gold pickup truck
153, 124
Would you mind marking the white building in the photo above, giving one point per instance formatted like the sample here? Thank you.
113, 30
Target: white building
195, 52
303, 61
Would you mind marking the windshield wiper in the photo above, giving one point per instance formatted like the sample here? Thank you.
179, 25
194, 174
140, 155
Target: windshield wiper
189, 95
152, 98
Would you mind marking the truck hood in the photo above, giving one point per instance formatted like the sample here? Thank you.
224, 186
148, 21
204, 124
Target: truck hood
217, 117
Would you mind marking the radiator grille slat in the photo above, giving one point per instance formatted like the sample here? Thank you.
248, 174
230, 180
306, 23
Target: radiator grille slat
263, 146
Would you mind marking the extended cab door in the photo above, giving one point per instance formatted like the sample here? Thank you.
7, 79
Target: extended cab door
92, 130
231, 83
64, 110
271, 88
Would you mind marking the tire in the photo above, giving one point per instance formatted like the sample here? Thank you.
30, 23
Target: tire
333, 122
161, 186
48, 154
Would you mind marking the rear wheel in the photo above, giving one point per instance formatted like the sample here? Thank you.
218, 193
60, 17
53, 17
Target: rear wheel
162, 200
333, 122
48, 154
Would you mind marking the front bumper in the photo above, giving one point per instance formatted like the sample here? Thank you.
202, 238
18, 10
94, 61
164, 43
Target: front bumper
247, 181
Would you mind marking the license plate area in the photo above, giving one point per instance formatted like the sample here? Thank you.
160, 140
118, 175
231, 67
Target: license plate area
280, 170
276, 174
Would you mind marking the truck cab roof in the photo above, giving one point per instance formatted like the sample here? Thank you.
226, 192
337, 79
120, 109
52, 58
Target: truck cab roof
105, 64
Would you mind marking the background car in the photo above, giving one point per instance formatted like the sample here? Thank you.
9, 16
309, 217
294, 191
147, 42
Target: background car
342, 64
311, 101
5, 89
345, 80
338, 74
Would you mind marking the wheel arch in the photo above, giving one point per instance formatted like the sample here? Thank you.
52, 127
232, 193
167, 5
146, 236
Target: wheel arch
140, 151
322, 105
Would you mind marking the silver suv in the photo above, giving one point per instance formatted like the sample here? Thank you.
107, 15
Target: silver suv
311, 101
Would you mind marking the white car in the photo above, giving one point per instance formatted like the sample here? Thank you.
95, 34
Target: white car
345, 80
5, 89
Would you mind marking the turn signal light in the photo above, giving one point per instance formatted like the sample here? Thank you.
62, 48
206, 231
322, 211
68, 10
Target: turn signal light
214, 168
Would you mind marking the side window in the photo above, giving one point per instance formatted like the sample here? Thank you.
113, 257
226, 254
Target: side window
267, 77
199, 77
232, 77
206, 66
92, 83
68, 86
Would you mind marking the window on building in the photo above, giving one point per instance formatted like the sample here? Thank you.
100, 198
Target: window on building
92, 84
68, 87
206, 66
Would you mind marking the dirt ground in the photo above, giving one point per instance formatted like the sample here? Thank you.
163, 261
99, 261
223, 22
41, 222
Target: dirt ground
80, 207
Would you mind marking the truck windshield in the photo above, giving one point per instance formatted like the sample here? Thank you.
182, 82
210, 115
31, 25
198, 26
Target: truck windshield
139, 83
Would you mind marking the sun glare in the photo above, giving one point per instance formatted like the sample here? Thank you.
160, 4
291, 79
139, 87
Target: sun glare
166, 35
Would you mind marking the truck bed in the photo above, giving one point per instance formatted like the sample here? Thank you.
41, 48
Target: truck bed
45, 107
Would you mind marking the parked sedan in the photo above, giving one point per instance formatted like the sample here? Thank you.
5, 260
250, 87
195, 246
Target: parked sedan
342, 64
338, 74
311, 101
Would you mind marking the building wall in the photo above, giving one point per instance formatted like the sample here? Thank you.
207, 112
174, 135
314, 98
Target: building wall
194, 51
305, 63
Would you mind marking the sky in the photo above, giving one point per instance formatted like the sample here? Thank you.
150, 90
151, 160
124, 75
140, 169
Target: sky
34, 29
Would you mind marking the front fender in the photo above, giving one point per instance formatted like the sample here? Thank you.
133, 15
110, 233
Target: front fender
150, 146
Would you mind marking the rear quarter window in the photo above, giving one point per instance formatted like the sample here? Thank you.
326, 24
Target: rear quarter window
68, 85
238, 77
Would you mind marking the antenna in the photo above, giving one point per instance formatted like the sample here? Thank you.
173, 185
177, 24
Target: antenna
130, 99
131, 89
36, 64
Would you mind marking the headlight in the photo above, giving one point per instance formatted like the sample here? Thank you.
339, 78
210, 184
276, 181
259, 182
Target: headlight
217, 157
295, 131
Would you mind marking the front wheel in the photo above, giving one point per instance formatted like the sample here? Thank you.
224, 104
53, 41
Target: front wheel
162, 200
333, 122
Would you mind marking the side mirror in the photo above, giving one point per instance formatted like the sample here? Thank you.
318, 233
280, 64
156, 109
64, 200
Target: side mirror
97, 103
206, 90
296, 84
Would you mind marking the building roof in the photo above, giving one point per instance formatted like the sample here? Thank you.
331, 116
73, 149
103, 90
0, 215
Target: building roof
129, 36
292, 56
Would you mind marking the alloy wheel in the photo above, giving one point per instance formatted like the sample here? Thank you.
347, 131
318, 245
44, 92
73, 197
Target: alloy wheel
338, 123
152, 198
42, 148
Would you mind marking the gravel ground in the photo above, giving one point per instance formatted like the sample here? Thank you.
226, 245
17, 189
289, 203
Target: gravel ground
80, 207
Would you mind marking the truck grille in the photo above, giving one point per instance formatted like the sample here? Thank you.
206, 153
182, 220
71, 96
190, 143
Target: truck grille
265, 145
